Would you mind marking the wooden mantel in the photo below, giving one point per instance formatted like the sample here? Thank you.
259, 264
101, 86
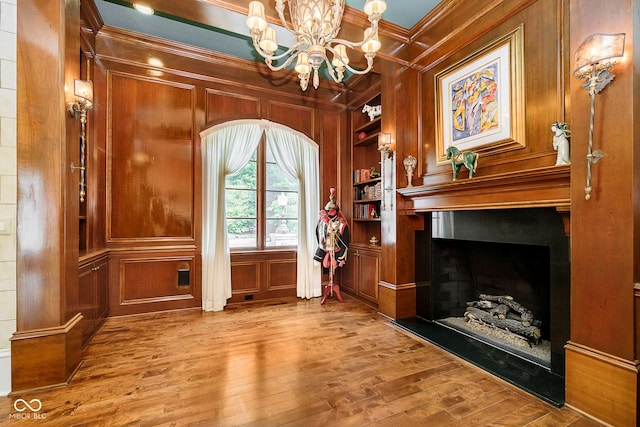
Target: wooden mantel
541, 187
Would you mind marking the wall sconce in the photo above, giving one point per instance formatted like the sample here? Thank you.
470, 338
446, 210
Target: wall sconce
597, 54
386, 147
83, 91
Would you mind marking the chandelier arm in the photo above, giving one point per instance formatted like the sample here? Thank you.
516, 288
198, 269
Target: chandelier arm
332, 72
372, 34
365, 71
353, 45
348, 43
285, 64
256, 45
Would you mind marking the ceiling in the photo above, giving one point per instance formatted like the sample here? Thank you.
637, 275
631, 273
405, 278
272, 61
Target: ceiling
225, 29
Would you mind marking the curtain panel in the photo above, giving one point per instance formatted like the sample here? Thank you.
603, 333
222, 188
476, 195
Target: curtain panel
227, 148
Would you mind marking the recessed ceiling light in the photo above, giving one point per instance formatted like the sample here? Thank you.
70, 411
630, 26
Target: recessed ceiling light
143, 9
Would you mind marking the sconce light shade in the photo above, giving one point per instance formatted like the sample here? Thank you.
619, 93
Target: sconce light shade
384, 139
84, 89
385, 145
598, 48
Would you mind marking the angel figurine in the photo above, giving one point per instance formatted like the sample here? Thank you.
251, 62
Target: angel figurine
561, 143
409, 163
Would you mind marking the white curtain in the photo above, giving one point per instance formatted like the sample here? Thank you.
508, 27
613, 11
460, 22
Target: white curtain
226, 148
297, 156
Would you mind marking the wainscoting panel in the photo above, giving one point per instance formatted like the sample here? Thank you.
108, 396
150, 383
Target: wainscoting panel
281, 274
262, 275
145, 282
245, 277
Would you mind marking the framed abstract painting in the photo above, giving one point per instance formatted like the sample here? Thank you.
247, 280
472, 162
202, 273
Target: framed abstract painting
480, 100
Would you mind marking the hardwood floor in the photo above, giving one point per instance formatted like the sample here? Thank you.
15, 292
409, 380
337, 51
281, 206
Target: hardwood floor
285, 363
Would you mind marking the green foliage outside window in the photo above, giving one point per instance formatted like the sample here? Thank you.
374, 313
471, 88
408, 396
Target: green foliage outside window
280, 206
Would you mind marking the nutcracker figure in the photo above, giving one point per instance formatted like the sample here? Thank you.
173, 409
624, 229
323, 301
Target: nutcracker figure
332, 233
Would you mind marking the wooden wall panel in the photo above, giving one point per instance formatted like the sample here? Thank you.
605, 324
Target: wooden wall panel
543, 91
147, 281
221, 105
245, 277
591, 386
262, 275
153, 278
47, 297
160, 113
334, 158
602, 365
151, 142
281, 274
294, 116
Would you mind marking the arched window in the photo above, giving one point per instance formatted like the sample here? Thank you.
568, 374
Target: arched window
226, 150
262, 204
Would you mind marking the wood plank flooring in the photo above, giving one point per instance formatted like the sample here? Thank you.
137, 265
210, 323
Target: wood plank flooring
285, 363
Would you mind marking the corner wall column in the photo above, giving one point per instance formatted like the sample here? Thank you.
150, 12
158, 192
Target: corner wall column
46, 348
601, 359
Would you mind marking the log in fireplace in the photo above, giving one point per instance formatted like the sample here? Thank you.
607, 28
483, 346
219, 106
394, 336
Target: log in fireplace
519, 253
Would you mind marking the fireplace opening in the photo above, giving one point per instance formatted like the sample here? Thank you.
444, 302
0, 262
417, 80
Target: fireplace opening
521, 253
483, 289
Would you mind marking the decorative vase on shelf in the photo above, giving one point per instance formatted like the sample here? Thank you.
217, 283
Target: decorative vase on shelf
373, 241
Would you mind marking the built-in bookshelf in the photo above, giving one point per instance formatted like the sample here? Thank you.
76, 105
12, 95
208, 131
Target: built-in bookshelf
363, 271
366, 199
366, 179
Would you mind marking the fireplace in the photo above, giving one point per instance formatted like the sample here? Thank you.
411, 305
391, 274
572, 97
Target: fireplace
519, 253
467, 274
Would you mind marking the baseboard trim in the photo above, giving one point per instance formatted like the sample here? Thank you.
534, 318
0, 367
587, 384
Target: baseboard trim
601, 385
47, 357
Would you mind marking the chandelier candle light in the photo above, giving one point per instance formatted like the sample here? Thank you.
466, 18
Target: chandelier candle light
315, 24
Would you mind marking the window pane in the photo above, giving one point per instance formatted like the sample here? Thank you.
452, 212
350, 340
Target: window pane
282, 232
277, 180
242, 213
241, 204
281, 204
242, 233
244, 178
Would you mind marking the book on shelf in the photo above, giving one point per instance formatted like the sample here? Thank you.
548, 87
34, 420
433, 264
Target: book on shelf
361, 175
366, 211
372, 191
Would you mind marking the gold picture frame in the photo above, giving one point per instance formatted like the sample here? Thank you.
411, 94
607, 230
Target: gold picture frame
480, 100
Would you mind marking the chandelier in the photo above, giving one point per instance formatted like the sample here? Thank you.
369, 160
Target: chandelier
315, 24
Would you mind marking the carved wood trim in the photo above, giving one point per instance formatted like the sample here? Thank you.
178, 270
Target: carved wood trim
396, 287
47, 332
542, 187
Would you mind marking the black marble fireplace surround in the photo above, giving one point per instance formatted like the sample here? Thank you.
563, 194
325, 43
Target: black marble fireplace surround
519, 252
